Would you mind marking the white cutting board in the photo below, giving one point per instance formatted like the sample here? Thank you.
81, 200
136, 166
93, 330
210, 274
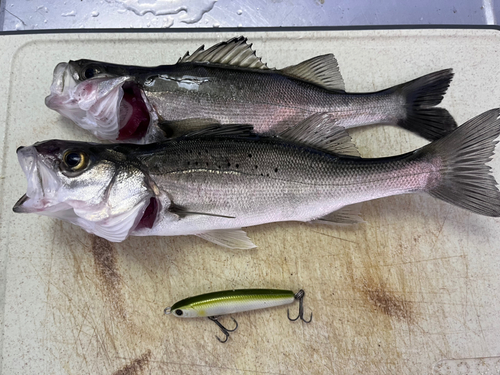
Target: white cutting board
417, 284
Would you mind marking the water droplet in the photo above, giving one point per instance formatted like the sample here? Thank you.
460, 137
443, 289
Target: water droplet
69, 14
168, 22
44, 21
19, 26
240, 25
95, 13
192, 11
11, 5
239, 12
216, 25
421, 18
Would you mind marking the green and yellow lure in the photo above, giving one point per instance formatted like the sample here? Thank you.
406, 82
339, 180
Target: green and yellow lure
212, 305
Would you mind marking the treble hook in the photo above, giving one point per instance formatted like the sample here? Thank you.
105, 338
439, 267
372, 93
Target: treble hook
299, 296
224, 330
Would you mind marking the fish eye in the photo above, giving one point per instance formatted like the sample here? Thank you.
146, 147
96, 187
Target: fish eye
75, 160
90, 72
178, 312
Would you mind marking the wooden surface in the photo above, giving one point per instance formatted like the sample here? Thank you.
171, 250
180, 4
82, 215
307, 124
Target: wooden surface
416, 284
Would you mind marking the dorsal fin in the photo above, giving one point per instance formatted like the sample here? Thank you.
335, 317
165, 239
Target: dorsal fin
235, 52
320, 131
321, 70
230, 130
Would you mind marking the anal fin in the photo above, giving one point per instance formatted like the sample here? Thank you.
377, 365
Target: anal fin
345, 216
231, 238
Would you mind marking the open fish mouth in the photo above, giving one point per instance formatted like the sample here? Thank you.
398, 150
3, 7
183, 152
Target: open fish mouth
87, 197
111, 108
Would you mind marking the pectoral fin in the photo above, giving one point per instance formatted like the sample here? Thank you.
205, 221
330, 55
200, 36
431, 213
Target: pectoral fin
173, 129
183, 212
231, 238
229, 130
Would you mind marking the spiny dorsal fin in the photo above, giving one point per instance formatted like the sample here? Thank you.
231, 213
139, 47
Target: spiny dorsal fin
320, 131
231, 238
235, 52
321, 70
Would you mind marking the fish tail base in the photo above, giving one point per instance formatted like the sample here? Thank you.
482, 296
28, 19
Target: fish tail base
421, 95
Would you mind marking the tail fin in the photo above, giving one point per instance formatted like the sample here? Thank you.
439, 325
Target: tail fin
465, 179
421, 95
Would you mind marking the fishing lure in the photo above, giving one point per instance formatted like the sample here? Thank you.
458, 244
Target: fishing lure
212, 305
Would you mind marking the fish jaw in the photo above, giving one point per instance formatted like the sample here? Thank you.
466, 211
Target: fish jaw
90, 200
111, 108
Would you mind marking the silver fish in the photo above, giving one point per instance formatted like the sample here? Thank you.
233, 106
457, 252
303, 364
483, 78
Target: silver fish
213, 182
229, 84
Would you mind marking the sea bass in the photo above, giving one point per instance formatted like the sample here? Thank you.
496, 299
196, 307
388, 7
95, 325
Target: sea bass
229, 84
214, 181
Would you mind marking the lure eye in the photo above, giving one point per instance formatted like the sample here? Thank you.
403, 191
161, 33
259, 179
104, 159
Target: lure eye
179, 312
75, 160
90, 72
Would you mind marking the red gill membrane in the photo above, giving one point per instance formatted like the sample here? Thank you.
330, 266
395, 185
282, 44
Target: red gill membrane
134, 112
149, 216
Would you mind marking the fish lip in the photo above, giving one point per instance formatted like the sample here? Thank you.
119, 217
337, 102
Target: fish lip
42, 182
64, 78
60, 76
27, 157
